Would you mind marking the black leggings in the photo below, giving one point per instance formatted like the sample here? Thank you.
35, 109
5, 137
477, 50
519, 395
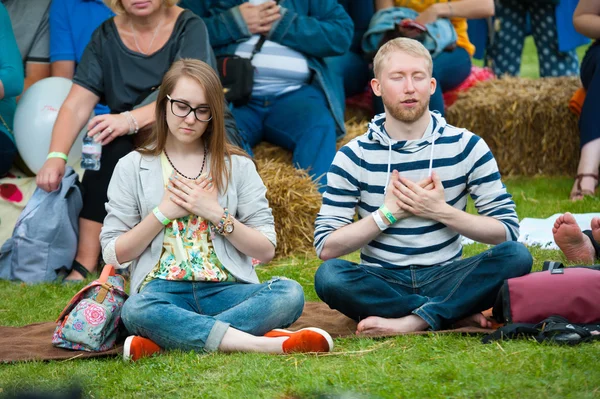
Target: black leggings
8, 152
594, 243
589, 129
95, 183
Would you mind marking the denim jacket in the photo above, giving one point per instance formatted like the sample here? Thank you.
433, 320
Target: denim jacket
316, 28
440, 34
136, 187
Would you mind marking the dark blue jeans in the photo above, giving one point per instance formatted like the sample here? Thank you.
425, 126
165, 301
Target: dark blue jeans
195, 315
450, 69
589, 128
440, 294
354, 71
299, 121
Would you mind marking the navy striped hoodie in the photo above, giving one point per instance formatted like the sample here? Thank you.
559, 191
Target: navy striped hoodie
362, 168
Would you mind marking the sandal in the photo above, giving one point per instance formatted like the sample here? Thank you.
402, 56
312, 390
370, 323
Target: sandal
559, 330
78, 267
580, 193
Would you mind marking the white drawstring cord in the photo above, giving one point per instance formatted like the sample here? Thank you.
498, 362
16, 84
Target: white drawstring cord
431, 155
387, 180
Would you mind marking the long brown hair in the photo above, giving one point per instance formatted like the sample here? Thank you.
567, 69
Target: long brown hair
214, 135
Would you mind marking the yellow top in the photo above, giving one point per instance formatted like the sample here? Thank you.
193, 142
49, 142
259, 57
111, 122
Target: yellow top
460, 24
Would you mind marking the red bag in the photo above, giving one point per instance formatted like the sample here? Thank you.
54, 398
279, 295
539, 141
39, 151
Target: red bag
573, 293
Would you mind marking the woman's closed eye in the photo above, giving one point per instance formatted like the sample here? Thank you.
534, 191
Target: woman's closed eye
203, 111
183, 107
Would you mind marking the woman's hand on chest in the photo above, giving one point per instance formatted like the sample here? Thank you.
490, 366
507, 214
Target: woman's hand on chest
199, 197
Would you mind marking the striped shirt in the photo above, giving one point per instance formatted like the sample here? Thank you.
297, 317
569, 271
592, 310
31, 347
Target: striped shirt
361, 168
277, 69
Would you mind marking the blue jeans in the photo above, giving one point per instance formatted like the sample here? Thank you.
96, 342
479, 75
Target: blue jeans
450, 69
299, 121
440, 294
195, 315
353, 70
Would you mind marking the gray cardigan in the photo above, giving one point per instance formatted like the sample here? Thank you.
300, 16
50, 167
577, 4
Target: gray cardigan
137, 186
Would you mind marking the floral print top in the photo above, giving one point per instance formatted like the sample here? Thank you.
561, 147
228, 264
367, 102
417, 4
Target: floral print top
188, 252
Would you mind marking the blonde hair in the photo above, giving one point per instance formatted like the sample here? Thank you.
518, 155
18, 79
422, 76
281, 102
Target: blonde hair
214, 135
405, 45
118, 9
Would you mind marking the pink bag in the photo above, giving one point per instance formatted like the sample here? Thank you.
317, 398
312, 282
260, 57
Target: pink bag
573, 293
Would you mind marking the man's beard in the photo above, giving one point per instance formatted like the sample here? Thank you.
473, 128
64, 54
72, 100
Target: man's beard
403, 114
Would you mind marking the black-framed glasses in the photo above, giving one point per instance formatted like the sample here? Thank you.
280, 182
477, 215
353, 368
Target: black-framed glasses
182, 109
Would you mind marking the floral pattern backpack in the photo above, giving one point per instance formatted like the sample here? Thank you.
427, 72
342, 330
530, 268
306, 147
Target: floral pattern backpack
90, 321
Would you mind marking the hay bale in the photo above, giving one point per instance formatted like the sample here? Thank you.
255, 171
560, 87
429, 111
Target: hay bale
354, 128
525, 122
293, 196
268, 151
295, 202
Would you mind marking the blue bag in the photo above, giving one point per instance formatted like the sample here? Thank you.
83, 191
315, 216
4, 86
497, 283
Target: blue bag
440, 34
44, 240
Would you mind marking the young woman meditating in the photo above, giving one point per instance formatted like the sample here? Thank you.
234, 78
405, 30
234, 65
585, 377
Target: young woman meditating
189, 212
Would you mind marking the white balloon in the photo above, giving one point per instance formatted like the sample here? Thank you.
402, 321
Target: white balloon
34, 119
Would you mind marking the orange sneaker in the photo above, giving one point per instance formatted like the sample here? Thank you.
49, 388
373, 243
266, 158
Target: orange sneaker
309, 339
137, 347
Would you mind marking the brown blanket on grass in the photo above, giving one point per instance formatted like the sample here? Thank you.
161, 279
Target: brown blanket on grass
33, 342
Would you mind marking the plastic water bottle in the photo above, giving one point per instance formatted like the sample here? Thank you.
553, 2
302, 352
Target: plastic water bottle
90, 154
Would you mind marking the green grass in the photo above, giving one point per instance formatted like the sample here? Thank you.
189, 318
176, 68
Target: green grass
415, 367
412, 367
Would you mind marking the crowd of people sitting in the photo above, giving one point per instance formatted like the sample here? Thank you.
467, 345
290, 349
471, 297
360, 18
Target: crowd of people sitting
176, 156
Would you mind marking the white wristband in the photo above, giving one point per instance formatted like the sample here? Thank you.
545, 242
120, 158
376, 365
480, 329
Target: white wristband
161, 218
379, 221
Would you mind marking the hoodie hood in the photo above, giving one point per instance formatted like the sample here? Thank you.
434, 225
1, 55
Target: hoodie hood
377, 133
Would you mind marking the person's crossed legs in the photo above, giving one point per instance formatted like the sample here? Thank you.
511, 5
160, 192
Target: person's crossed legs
574, 243
391, 301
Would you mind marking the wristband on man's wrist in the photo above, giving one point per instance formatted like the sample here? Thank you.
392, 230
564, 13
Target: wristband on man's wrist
388, 214
161, 217
379, 220
55, 154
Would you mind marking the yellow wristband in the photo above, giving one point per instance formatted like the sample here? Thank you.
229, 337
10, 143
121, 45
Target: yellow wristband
60, 155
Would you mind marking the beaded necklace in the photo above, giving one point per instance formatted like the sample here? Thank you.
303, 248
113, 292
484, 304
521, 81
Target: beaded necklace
187, 177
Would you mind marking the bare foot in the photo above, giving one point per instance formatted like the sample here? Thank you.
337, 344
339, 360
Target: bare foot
475, 320
595, 226
568, 236
374, 325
